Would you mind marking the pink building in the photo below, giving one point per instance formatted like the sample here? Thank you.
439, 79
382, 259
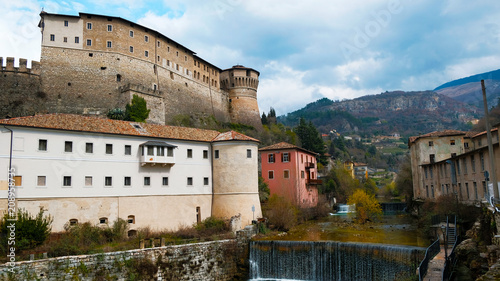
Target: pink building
291, 172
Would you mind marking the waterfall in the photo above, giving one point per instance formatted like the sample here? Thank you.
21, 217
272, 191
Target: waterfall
299, 260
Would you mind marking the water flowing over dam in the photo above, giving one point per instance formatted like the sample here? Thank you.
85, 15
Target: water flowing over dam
330, 260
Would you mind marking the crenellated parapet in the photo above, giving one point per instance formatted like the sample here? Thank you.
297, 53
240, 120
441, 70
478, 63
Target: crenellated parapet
23, 66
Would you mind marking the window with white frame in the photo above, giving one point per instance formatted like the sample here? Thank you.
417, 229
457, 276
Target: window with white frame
89, 147
67, 181
127, 181
205, 181
42, 145
270, 175
109, 148
189, 181
285, 157
89, 25
270, 158
41, 181
286, 174
147, 181
108, 181
68, 146
128, 150
88, 180
164, 181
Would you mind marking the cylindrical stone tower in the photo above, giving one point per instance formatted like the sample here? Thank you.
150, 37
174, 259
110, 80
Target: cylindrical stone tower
241, 83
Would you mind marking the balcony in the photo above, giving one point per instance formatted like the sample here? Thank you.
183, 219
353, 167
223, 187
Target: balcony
310, 165
157, 153
314, 182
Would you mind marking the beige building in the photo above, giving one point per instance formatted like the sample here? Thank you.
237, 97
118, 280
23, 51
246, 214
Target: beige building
453, 162
81, 169
93, 63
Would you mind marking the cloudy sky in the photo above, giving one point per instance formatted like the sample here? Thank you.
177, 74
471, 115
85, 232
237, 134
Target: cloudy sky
304, 50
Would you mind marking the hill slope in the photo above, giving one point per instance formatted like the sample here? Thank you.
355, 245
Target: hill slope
468, 89
407, 113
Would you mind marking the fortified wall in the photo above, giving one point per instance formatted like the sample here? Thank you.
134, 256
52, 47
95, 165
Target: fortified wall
93, 63
20, 89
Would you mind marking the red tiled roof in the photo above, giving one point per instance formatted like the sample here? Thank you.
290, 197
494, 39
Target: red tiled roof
72, 122
285, 145
438, 134
232, 135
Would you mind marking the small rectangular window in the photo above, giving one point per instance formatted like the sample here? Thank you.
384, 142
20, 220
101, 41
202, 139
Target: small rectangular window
131, 33
205, 181
42, 145
452, 142
18, 180
52, 37
270, 175
147, 181
67, 181
89, 42
89, 147
68, 146
302, 174
285, 157
189, 153
270, 158
131, 48
146, 38
89, 25
108, 181
205, 154
431, 143
164, 181
151, 150
128, 150
286, 174
110, 27
65, 39
216, 154
160, 151
88, 181
146, 53
41, 181
170, 151
249, 153
109, 148
127, 181
158, 43
66, 23
189, 181
109, 44
77, 40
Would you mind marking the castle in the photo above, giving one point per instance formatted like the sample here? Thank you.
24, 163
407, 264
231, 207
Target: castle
92, 63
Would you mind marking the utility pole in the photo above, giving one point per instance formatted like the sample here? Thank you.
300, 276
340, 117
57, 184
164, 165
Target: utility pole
490, 145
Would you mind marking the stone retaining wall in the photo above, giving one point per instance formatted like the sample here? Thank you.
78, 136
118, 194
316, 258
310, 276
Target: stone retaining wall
217, 260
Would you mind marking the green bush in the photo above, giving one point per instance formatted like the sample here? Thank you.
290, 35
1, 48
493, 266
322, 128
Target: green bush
30, 231
282, 214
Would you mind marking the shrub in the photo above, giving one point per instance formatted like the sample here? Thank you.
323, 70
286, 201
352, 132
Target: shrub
116, 114
282, 214
30, 230
211, 226
137, 110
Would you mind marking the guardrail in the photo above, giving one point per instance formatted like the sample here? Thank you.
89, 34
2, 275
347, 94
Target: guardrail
430, 253
450, 262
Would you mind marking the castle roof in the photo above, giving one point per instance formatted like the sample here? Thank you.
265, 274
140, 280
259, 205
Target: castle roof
79, 123
285, 145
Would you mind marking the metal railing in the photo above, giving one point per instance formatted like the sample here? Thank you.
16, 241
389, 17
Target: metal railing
450, 262
430, 253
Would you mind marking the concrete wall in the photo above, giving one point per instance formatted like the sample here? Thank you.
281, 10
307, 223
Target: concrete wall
219, 260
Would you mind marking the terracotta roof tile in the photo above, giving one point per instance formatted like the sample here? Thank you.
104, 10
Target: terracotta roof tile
285, 145
72, 122
232, 135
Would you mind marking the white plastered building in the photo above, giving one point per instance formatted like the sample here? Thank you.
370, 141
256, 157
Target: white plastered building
80, 169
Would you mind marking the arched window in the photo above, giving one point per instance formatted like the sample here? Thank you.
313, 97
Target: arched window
131, 219
73, 222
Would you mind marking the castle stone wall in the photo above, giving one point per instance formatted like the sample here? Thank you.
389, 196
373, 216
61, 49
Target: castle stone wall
86, 82
20, 92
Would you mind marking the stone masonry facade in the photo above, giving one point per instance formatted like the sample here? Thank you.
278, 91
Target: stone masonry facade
93, 63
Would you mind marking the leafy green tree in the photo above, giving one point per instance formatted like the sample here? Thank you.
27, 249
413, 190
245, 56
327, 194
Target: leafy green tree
137, 110
367, 207
263, 119
30, 231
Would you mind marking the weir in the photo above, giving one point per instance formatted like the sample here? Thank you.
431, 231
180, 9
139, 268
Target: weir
299, 260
